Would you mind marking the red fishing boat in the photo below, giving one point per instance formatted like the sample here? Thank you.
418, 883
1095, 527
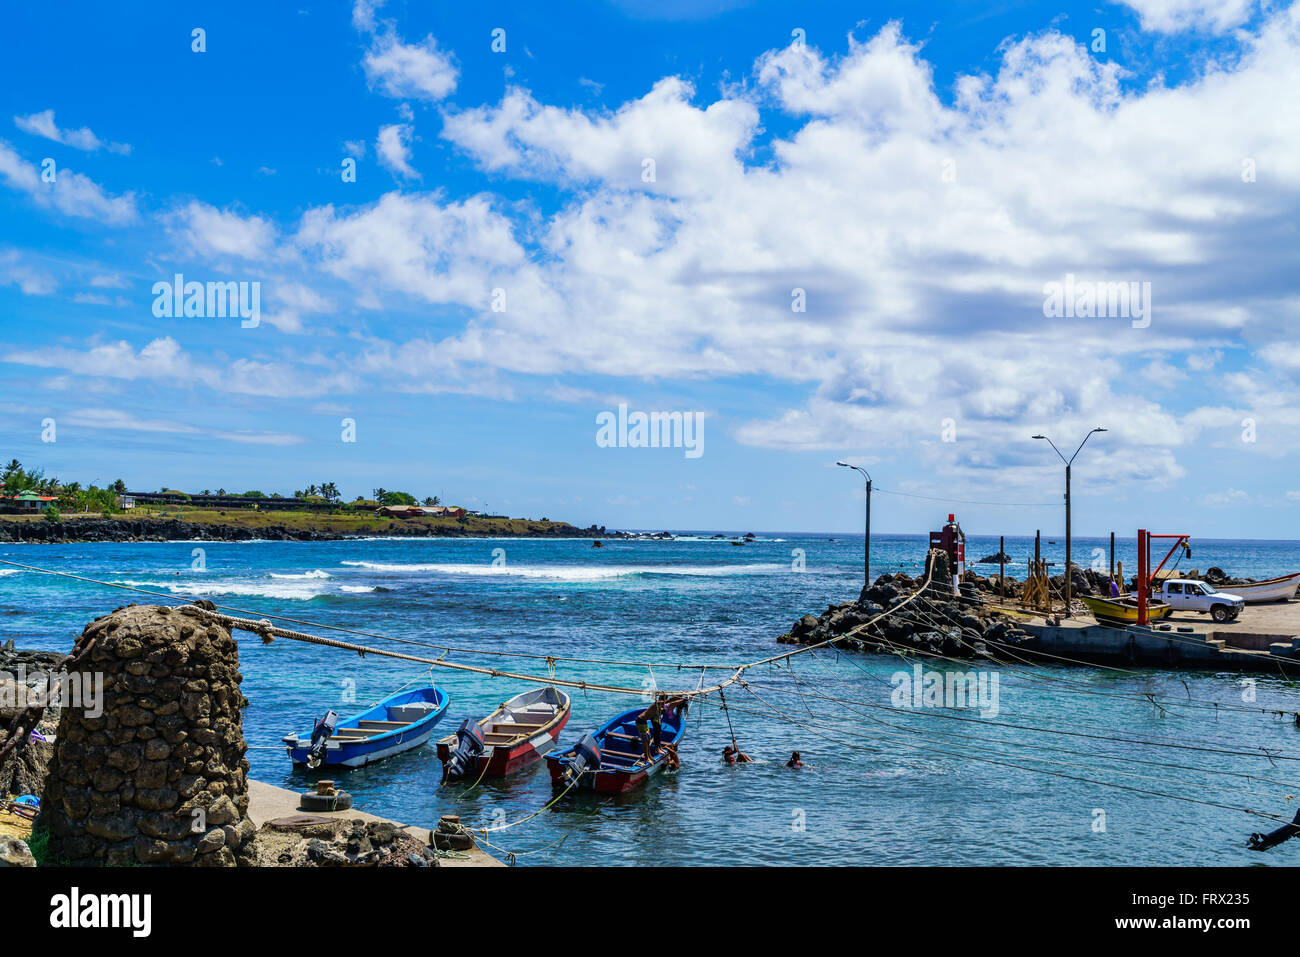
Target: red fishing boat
514, 736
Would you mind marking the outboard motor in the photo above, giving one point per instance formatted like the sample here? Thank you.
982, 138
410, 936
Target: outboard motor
586, 757
469, 745
321, 733
1262, 842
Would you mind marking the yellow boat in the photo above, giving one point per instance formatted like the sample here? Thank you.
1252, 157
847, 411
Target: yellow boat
1123, 611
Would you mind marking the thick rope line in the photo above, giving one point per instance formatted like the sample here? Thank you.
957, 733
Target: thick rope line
265, 629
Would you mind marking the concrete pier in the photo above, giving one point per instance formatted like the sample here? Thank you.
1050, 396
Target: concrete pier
1264, 638
266, 802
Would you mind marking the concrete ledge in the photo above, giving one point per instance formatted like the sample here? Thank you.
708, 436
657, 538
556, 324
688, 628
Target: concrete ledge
266, 802
1095, 643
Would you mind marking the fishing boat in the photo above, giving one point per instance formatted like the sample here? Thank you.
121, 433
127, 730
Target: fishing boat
610, 759
1270, 589
1123, 611
399, 723
514, 736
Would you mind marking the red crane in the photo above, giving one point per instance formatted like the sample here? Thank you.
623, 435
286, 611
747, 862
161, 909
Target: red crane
1146, 572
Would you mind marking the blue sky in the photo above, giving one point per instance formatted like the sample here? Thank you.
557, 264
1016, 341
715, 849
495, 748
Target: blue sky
921, 172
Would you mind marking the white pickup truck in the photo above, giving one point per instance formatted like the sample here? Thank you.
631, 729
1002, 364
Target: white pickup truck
1183, 594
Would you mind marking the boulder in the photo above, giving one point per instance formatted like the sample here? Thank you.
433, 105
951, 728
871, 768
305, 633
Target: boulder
15, 853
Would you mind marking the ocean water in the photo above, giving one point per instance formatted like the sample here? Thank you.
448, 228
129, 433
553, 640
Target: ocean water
882, 786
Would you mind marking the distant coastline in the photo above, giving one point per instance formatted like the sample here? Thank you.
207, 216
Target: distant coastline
284, 526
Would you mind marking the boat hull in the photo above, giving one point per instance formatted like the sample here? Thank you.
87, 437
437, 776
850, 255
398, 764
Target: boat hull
621, 770
1272, 589
352, 757
607, 781
502, 760
429, 704
1121, 613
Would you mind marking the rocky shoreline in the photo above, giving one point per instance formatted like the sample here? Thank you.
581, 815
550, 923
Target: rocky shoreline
165, 530
934, 623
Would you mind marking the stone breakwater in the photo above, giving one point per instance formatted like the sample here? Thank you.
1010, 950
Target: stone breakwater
935, 622
165, 530
160, 776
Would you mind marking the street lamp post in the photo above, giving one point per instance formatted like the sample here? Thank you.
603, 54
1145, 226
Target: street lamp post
866, 544
1068, 462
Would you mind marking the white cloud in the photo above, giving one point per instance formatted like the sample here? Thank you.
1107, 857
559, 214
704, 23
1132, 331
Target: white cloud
1175, 16
393, 147
1229, 497
164, 360
445, 253
924, 292
363, 14
402, 70
16, 270
291, 302
117, 420
691, 149
207, 231
42, 124
70, 193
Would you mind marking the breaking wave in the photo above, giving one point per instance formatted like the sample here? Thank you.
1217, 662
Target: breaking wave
573, 572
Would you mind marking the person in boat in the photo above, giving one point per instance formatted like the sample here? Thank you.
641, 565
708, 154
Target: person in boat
796, 761
734, 755
643, 734
1114, 588
654, 716
674, 762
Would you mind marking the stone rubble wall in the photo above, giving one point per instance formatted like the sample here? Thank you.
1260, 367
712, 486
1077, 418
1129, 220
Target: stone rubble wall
160, 776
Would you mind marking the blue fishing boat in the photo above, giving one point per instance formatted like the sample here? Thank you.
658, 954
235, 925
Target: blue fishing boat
398, 723
611, 760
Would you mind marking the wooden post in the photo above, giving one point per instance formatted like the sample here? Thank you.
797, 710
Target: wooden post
1002, 565
1112, 556
1144, 560
1038, 559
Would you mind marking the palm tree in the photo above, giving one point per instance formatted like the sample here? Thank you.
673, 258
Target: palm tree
378, 494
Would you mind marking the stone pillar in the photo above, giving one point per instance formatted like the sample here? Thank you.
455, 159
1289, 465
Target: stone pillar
159, 777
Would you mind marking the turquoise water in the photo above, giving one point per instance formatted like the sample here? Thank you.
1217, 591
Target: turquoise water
880, 786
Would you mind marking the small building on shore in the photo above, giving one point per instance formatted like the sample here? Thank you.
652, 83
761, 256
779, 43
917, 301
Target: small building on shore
27, 501
421, 511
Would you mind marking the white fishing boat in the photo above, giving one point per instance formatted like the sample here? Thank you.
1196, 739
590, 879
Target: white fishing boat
1271, 589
